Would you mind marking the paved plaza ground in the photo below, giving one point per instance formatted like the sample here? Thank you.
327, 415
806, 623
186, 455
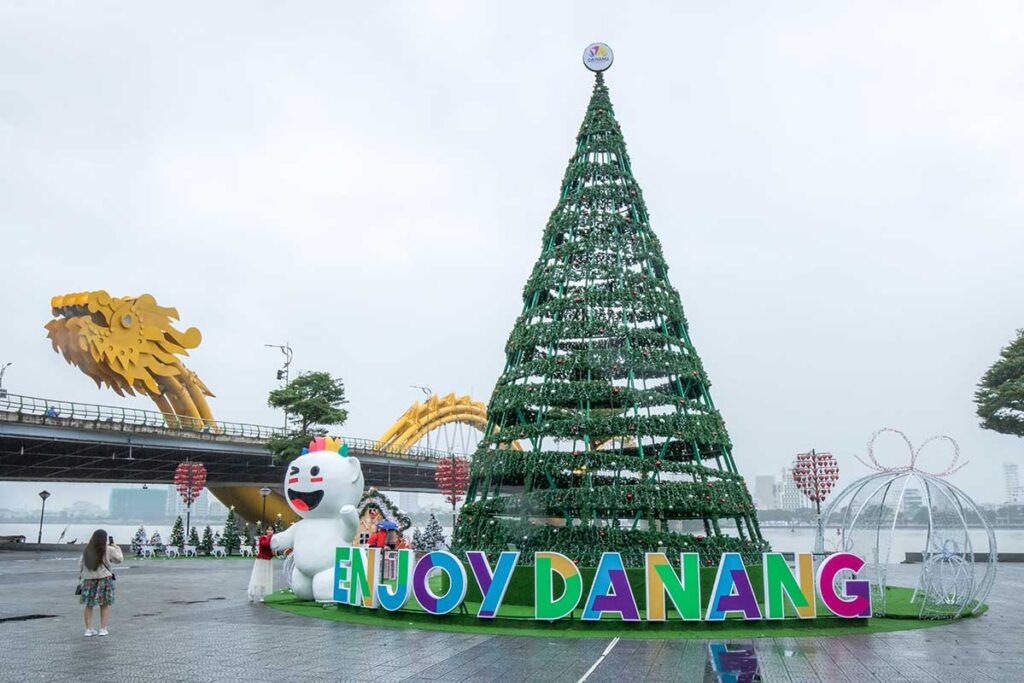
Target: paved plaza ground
189, 620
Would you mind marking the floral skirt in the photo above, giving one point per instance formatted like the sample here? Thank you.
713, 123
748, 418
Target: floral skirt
97, 592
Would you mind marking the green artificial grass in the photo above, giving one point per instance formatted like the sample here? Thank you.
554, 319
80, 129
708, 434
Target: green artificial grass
518, 620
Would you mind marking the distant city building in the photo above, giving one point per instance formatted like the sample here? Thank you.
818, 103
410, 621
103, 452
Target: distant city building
789, 496
407, 501
1011, 475
764, 492
912, 500
138, 503
176, 506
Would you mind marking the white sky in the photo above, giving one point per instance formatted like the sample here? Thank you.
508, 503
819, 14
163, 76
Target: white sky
838, 189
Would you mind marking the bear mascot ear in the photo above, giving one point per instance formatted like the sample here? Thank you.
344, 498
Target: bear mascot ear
357, 470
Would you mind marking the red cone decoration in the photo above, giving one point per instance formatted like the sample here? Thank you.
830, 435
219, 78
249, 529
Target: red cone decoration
452, 477
189, 479
815, 474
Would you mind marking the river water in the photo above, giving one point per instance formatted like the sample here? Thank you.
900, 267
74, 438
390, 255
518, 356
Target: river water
782, 539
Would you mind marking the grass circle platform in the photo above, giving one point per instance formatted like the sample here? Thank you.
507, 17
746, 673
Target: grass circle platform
518, 620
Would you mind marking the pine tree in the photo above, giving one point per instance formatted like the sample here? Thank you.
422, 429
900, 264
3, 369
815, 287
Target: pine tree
206, 546
1000, 395
278, 524
417, 539
140, 539
231, 539
603, 390
432, 537
156, 541
193, 538
177, 539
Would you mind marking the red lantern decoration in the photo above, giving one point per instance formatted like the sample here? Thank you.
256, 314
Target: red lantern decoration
190, 480
452, 478
815, 475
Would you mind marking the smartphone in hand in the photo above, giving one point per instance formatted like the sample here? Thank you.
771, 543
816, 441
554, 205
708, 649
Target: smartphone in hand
111, 539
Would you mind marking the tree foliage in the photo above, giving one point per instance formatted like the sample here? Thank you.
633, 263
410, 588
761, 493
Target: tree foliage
206, 545
177, 539
1000, 394
232, 540
313, 401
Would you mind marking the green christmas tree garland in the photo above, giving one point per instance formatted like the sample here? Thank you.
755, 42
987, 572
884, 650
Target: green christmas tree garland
604, 391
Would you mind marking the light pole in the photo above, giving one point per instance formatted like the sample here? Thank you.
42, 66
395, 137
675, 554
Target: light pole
263, 515
3, 369
44, 495
283, 373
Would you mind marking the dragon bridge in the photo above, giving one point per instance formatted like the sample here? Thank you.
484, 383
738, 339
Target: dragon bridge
131, 345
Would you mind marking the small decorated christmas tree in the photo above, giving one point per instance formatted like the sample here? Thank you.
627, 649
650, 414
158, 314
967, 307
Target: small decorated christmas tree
417, 539
278, 524
156, 541
206, 546
177, 539
433, 535
193, 538
230, 538
140, 539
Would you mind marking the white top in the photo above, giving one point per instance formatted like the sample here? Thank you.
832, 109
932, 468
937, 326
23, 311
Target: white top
112, 556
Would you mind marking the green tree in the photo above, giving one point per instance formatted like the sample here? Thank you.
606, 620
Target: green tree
604, 390
177, 538
313, 402
1000, 394
248, 537
231, 539
206, 546
193, 538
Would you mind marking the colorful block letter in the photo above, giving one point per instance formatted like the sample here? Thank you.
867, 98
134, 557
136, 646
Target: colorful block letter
683, 589
780, 584
492, 584
856, 607
393, 599
450, 565
546, 606
732, 591
611, 575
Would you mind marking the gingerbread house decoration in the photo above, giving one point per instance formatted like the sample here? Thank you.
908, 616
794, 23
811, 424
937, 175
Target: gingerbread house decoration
375, 507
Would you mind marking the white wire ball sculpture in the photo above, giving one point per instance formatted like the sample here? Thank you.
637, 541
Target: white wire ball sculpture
952, 530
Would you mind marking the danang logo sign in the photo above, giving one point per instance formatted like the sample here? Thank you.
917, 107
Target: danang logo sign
356, 572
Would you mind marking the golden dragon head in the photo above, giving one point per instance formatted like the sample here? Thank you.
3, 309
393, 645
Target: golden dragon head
131, 345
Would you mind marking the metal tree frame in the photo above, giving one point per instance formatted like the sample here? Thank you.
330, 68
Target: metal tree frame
600, 304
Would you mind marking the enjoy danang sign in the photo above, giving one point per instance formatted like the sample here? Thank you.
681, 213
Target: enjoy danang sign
356, 572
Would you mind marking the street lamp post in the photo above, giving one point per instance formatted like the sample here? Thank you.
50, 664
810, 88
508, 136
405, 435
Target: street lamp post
3, 369
283, 373
263, 515
44, 495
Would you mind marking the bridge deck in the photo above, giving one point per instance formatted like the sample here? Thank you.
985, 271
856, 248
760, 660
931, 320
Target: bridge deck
43, 447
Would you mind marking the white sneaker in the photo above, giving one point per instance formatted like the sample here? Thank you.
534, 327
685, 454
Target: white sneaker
89, 633
103, 632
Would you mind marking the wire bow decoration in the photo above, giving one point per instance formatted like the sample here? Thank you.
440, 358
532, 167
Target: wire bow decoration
915, 453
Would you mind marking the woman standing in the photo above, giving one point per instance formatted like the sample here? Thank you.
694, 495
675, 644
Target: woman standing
97, 580
261, 581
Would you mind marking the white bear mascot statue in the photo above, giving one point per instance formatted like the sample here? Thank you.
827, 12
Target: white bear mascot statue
323, 485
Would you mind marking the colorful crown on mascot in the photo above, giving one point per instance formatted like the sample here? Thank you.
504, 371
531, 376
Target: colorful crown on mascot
326, 443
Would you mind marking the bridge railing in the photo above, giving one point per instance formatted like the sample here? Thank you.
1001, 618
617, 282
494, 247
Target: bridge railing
117, 416
136, 417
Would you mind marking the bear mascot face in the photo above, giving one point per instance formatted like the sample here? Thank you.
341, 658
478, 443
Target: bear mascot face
323, 479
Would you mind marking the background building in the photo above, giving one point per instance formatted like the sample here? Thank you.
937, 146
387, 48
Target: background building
764, 492
138, 503
912, 500
1011, 474
790, 497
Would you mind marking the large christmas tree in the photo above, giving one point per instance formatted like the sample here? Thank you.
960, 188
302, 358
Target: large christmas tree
604, 391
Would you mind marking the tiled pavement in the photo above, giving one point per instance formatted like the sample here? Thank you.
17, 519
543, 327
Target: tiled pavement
189, 620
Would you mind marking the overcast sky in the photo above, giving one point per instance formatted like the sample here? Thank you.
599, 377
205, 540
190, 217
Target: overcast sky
839, 190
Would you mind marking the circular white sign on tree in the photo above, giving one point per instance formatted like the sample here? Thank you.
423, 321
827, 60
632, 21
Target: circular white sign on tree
598, 57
